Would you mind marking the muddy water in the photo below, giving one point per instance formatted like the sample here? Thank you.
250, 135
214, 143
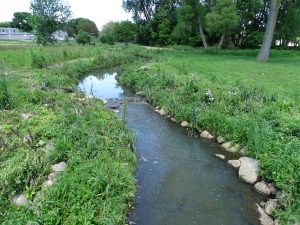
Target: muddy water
179, 180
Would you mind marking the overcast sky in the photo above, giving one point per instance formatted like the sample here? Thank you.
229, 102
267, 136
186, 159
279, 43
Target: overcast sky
101, 11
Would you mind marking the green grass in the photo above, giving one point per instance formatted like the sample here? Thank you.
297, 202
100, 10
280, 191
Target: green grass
257, 104
98, 185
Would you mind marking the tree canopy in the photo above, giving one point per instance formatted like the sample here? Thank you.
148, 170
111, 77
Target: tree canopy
81, 24
22, 21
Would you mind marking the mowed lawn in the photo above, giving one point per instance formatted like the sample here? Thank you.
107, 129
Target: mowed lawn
280, 74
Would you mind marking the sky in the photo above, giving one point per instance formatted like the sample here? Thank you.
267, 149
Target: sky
99, 11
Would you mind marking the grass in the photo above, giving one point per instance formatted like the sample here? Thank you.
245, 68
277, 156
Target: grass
257, 105
98, 185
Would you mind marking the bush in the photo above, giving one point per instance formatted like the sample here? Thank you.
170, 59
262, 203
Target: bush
83, 38
5, 97
39, 59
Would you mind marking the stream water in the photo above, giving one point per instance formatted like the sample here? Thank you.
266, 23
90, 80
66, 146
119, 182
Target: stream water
179, 180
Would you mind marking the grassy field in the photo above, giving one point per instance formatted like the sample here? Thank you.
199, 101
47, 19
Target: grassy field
98, 185
256, 104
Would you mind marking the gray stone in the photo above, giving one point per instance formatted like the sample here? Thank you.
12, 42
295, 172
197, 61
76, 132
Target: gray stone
262, 188
234, 163
205, 134
248, 171
116, 111
49, 147
26, 116
162, 112
244, 151
208, 96
280, 195
48, 183
230, 147
173, 119
104, 101
220, 140
53, 177
184, 124
220, 156
59, 167
20, 200
272, 188
270, 206
140, 93
264, 218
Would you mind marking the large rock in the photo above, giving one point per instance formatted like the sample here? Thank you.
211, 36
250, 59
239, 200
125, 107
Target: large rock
184, 124
264, 218
48, 183
248, 171
205, 134
20, 200
234, 163
162, 112
230, 147
262, 188
270, 206
26, 116
59, 167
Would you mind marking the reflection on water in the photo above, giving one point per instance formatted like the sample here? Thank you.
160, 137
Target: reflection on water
180, 182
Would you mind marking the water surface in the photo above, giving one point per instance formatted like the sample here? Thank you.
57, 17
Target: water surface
179, 180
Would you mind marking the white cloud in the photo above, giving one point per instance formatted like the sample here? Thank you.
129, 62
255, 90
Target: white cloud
101, 11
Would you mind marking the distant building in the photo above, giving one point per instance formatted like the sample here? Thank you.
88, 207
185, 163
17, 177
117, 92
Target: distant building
14, 34
60, 35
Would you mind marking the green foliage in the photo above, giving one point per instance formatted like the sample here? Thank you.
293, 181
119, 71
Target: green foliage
75, 25
98, 185
48, 16
5, 24
22, 21
83, 38
5, 96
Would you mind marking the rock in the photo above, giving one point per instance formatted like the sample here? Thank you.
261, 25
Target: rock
220, 156
19, 200
53, 177
276, 222
173, 120
220, 140
89, 97
116, 111
27, 140
155, 162
140, 93
280, 195
59, 167
205, 134
184, 124
262, 188
49, 147
234, 163
248, 171
104, 101
208, 96
162, 112
272, 188
264, 218
48, 183
26, 116
230, 147
270, 206
244, 151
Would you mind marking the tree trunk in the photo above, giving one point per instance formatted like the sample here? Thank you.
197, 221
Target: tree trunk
221, 41
264, 51
201, 32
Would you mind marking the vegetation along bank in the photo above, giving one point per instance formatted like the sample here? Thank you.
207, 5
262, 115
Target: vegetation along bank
253, 104
65, 159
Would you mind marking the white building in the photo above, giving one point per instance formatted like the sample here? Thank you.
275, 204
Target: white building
14, 34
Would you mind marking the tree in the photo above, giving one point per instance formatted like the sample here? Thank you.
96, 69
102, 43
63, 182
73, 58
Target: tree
125, 31
264, 51
48, 16
75, 25
223, 20
21, 21
107, 33
83, 38
5, 24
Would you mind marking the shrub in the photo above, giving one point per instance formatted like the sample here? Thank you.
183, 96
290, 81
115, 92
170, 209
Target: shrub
5, 97
83, 38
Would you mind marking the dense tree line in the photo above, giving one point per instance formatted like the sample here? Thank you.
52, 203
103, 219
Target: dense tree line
226, 23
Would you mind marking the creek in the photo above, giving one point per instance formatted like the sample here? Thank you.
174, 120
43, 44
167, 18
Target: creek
179, 181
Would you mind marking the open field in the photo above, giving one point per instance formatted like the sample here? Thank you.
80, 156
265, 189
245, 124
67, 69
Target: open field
44, 121
256, 104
